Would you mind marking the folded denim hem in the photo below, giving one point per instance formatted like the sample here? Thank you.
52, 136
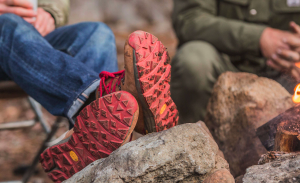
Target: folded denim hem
78, 103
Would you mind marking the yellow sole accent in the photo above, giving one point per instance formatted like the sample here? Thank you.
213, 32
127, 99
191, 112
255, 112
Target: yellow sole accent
73, 156
162, 110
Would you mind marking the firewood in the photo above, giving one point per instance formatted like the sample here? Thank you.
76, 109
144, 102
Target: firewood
288, 136
268, 131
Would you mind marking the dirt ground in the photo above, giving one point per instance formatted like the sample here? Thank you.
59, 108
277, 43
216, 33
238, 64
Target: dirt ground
17, 148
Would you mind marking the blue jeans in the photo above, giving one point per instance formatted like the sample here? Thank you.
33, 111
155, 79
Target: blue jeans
61, 70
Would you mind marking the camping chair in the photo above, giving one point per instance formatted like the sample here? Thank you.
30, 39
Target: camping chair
10, 90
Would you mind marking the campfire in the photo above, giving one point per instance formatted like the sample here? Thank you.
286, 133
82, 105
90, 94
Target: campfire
283, 132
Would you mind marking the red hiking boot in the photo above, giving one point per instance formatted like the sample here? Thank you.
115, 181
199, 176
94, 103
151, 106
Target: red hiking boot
147, 76
102, 127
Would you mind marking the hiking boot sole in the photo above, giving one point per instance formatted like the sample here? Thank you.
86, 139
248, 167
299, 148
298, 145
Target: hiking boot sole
102, 127
152, 74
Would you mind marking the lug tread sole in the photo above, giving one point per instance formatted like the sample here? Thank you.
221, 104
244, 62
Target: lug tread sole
100, 128
154, 75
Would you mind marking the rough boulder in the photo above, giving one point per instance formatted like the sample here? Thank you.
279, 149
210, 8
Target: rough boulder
185, 153
241, 103
278, 168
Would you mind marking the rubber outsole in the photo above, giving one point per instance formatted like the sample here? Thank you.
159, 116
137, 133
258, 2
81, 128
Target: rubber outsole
152, 72
102, 127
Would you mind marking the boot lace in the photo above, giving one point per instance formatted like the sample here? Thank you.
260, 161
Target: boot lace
104, 75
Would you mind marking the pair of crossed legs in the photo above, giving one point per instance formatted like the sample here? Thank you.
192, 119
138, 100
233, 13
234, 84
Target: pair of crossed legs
61, 72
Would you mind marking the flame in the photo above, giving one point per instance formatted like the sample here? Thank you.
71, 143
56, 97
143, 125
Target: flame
296, 97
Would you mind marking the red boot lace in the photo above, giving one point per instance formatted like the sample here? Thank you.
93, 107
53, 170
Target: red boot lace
104, 75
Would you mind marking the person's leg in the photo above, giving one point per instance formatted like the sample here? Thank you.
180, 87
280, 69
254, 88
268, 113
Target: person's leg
195, 69
92, 43
56, 80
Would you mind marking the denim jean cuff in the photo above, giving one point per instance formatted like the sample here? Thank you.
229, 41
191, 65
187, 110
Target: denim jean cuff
78, 103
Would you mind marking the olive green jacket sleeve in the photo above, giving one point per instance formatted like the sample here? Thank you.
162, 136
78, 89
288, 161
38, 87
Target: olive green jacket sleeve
198, 20
59, 9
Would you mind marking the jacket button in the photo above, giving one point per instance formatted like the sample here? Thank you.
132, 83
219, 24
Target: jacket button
253, 12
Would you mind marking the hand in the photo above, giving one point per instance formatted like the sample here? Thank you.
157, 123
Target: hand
280, 63
295, 28
285, 61
273, 39
288, 55
22, 8
44, 22
280, 48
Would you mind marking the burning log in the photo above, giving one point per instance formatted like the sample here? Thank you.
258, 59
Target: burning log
283, 132
288, 136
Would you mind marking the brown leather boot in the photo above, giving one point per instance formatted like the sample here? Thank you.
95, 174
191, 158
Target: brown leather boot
147, 77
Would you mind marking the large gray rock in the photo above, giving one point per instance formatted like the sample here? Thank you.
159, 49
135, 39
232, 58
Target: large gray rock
283, 169
185, 153
241, 103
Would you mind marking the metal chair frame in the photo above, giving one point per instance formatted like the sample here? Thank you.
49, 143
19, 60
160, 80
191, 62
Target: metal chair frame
35, 161
36, 107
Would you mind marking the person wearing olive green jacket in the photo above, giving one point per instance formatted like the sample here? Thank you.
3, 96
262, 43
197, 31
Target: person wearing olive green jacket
215, 36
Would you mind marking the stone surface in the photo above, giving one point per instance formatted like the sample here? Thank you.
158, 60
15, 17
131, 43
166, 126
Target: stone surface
284, 169
185, 153
241, 103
